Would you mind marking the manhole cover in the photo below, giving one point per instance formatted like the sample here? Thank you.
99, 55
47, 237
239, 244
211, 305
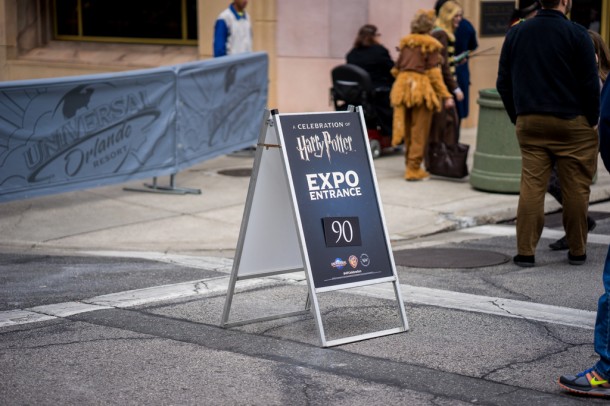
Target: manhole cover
236, 172
448, 258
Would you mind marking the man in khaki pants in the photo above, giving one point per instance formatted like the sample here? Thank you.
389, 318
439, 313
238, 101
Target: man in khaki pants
549, 85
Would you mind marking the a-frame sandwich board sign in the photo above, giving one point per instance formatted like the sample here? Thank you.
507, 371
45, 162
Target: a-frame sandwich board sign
313, 205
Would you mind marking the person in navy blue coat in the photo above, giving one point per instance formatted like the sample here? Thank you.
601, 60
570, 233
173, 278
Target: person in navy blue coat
465, 40
594, 381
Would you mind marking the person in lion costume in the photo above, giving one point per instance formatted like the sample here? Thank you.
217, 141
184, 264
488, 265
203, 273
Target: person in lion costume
418, 92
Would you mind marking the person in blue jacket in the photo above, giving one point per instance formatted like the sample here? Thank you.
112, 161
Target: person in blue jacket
465, 42
233, 31
594, 381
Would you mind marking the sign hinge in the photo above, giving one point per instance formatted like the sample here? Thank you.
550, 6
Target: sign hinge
267, 146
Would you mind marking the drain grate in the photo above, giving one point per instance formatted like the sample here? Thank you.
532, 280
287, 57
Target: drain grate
243, 172
448, 258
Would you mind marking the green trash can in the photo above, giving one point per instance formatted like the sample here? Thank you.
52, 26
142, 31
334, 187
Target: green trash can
497, 158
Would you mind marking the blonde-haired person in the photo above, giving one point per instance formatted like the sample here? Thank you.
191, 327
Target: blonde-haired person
418, 92
465, 43
448, 19
449, 16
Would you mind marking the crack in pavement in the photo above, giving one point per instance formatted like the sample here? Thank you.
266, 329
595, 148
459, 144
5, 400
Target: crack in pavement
487, 279
337, 361
546, 355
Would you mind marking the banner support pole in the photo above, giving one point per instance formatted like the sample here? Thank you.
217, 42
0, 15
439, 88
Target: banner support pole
171, 189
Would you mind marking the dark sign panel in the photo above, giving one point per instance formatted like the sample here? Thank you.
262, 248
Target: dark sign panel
336, 197
495, 18
342, 231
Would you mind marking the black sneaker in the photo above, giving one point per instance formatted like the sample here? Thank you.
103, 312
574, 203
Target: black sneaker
560, 245
590, 223
588, 382
577, 259
524, 260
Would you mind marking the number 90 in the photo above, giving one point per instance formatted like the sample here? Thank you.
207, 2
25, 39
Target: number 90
343, 230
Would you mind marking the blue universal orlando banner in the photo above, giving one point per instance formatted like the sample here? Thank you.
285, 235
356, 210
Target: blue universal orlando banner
63, 134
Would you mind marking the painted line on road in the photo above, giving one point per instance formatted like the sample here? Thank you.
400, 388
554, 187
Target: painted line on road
67, 309
175, 291
492, 229
500, 230
218, 285
218, 264
138, 297
486, 304
15, 317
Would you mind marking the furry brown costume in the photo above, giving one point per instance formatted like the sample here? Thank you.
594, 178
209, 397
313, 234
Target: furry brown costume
417, 93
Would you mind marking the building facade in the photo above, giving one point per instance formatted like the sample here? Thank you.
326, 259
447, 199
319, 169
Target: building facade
304, 39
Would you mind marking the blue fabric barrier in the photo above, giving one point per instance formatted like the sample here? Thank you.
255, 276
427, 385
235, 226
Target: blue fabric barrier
64, 134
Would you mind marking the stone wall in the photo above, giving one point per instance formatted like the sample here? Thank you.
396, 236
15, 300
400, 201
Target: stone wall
29, 25
304, 40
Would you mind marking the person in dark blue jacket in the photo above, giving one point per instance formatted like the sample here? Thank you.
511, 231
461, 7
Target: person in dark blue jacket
465, 41
594, 381
549, 85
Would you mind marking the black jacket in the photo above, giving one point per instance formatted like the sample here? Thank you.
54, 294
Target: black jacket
376, 60
547, 66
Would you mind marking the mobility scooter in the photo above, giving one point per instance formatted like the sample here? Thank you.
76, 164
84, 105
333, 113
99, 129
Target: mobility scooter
351, 85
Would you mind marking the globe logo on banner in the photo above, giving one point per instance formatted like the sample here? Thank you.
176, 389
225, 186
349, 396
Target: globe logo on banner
338, 263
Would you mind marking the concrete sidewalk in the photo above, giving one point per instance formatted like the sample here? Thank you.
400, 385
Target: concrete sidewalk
111, 218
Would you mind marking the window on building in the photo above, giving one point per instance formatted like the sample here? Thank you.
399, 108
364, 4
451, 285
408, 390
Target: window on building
138, 21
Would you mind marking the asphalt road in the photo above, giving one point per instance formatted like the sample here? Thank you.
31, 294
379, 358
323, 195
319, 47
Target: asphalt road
145, 329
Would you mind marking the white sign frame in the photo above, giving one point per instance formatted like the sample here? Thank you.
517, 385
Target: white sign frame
272, 219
